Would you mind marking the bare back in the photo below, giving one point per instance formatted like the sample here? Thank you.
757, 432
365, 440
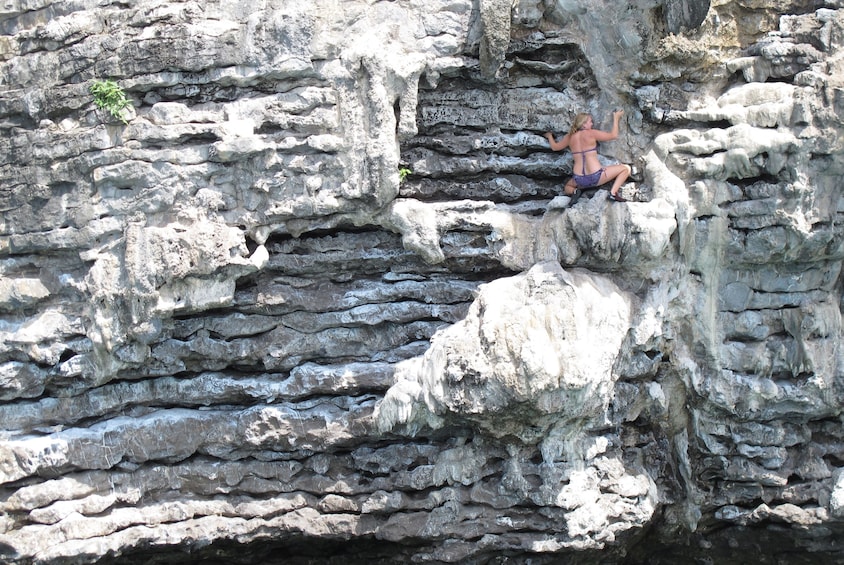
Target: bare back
584, 150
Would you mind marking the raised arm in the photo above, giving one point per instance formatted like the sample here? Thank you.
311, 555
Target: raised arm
557, 145
609, 135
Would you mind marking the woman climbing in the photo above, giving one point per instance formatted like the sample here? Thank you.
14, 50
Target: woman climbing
583, 141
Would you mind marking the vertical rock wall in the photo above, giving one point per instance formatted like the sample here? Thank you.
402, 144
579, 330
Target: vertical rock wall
231, 330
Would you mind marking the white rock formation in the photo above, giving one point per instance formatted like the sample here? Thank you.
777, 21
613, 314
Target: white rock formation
535, 351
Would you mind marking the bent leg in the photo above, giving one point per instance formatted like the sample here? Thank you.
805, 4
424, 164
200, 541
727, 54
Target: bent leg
619, 173
571, 186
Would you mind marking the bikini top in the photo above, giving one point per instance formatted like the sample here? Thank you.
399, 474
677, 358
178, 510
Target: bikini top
583, 163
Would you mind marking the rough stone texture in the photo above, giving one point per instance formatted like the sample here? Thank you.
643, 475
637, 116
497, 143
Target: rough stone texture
229, 333
685, 14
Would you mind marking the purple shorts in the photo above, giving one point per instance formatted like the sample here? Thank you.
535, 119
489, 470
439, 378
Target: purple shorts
588, 181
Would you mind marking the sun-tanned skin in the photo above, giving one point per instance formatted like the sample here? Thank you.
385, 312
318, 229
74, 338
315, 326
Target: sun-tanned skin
583, 143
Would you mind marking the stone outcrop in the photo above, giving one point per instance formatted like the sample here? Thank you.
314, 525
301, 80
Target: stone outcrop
232, 331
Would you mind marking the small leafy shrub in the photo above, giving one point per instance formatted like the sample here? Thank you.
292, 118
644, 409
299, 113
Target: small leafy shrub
110, 97
403, 172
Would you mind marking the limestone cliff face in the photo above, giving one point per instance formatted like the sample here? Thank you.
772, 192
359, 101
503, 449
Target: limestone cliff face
232, 331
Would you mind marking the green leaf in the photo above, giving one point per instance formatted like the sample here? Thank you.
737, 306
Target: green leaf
110, 97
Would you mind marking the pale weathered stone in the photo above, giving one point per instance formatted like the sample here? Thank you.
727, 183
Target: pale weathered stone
528, 349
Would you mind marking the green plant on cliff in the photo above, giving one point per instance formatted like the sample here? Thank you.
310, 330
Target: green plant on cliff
109, 96
403, 172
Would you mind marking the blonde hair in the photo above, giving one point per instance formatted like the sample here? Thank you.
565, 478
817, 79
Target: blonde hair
579, 120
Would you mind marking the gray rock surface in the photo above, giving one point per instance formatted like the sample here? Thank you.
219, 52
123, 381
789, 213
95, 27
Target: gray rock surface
231, 331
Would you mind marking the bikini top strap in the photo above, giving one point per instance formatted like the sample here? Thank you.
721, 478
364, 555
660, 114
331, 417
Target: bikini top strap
585, 150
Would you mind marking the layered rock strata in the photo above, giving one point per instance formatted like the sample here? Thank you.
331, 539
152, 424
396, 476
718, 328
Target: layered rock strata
233, 331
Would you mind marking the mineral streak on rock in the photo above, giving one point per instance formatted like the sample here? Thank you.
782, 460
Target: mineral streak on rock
231, 330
